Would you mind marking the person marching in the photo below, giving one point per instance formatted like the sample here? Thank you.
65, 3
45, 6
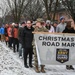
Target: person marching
69, 29
2, 34
60, 27
15, 38
27, 43
63, 28
55, 25
6, 34
10, 36
20, 39
38, 28
49, 26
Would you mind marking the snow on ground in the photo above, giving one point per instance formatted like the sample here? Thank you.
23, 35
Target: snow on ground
11, 64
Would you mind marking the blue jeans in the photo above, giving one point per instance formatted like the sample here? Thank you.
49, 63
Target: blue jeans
20, 50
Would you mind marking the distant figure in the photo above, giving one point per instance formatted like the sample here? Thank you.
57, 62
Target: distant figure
6, 34
60, 27
55, 26
21, 29
15, 38
2, 34
49, 26
10, 35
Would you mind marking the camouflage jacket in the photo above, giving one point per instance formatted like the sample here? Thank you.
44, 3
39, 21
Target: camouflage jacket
37, 29
41, 29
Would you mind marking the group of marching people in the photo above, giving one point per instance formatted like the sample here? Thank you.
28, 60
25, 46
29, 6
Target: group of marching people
11, 36
21, 39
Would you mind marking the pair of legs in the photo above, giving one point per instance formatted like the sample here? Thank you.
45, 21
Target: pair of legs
15, 43
10, 42
69, 67
6, 40
28, 51
2, 37
20, 50
36, 63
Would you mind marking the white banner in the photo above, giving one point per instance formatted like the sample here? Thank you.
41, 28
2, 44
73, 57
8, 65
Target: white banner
56, 49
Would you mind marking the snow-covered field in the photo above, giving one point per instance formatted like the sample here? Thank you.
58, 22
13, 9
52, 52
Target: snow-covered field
11, 64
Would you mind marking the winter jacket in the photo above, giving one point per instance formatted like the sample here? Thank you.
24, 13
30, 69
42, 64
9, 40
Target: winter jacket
48, 27
27, 37
2, 30
60, 27
9, 31
15, 32
20, 34
6, 33
66, 30
51, 29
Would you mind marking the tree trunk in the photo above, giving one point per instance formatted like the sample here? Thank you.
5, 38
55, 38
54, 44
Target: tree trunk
47, 11
55, 9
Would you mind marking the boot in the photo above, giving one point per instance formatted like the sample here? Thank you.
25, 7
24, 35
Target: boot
71, 67
68, 67
30, 65
37, 69
26, 66
42, 69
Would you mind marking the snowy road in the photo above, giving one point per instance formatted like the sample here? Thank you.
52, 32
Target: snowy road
11, 64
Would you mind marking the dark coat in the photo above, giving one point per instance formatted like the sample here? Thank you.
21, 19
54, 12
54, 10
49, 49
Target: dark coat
48, 27
6, 33
20, 34
27, 37
69, 30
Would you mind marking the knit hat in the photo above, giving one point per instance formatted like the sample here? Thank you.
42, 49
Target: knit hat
22, 23
13, 24
40, 20
48, 21
61, 18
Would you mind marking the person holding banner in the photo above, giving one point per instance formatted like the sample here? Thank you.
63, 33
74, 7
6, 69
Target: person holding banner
38, 28
62, 27
69, 29
49, 26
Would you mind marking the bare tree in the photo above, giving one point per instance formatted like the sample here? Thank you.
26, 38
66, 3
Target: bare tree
17, 8
51, 8
34, 10
70, 7
48, 7
55, 9
21, 9
4, 11
31, 9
